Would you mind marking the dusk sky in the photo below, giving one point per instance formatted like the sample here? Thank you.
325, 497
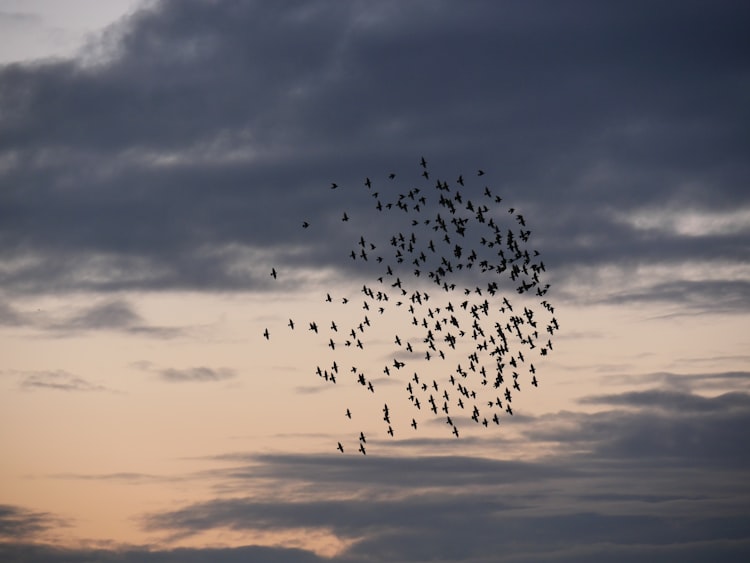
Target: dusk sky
160, 159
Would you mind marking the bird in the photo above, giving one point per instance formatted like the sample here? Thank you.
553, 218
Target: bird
446, 234
341, 448
265, 333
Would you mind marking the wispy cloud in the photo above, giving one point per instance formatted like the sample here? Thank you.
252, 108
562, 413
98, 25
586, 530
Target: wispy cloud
201, 373
59, 380
117, 315
20, 523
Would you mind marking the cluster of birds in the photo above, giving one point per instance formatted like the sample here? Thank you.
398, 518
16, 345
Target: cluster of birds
451, 273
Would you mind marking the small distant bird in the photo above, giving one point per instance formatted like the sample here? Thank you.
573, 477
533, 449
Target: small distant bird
345, 217
273, 273
341, 448
305, 224
334, 185
265, 333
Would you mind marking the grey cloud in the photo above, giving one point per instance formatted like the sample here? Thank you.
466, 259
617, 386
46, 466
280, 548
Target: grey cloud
200, 373
348, 517
650, 482
546, 518
689, 552
676, 401
59, 380
31, 553
687, 382
117, 315
130, 477
206, 131
666, 428
9, 316
711, 296
17, 522
345, 472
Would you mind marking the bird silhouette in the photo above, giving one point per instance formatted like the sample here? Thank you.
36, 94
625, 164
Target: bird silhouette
459, 241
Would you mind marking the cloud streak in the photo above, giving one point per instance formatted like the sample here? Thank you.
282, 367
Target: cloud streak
58, 381
201, 373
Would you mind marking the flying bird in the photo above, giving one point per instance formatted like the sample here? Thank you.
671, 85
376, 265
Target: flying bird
468, 331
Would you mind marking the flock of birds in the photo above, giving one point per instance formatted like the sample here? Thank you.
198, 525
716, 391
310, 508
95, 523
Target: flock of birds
463, 348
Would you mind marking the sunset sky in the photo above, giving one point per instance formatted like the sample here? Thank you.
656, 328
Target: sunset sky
157, 162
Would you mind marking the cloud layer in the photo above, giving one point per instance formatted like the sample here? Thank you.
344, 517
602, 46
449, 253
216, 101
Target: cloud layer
191, 152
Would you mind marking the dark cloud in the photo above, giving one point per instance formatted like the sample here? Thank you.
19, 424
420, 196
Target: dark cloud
348, 473
31, 553
188, 156
708, 297
650, 482
661, 427
687, 382
17, 523
676, 401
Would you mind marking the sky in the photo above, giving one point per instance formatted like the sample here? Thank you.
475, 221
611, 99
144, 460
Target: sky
160, 160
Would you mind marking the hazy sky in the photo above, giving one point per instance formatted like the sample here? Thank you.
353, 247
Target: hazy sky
155, 166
